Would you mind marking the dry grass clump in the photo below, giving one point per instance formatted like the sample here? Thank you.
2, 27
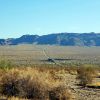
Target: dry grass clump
86, 75
72, 69
9, 84
31, 83
60, 93
11, 98
14, 84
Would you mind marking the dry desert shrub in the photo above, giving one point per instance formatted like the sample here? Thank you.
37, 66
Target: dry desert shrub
9, 84
13, 84
34, 84
86, 75
60, 93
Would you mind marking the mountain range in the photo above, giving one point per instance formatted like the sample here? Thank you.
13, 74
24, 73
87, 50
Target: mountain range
65, 39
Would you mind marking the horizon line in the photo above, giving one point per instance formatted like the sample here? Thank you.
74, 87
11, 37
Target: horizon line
53, 33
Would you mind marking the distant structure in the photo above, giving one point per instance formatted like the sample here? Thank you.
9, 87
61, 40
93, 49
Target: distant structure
48, 57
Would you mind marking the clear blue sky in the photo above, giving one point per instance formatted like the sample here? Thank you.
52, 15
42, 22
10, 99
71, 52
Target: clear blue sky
18, 17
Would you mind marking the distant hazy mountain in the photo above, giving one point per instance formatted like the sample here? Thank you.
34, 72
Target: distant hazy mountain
66, 39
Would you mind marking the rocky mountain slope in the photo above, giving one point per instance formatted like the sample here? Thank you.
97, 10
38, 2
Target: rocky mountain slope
66, 39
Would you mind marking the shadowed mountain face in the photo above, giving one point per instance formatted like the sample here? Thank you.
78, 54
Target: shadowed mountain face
26, 39
66, 39
2, 41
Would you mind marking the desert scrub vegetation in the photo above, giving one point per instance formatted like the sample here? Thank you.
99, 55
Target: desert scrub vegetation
34, 83
6, 64
86, 74
60, 93
44, 82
